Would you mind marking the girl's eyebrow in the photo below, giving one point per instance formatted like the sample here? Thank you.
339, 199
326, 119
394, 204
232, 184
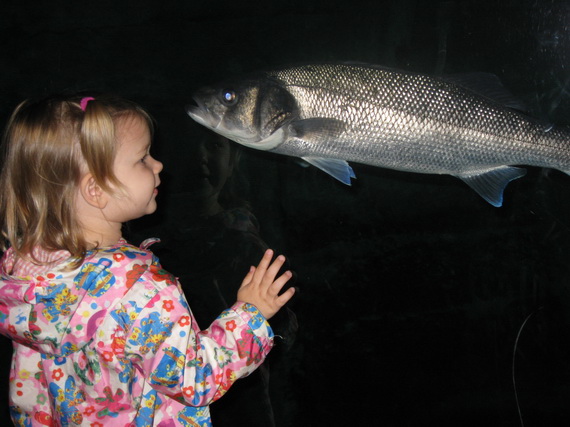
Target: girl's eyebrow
145, 149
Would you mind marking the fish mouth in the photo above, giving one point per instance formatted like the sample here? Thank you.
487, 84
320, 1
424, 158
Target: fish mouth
200, 113
203, 115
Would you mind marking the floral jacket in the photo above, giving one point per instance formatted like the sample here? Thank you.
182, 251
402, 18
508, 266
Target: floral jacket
113, 342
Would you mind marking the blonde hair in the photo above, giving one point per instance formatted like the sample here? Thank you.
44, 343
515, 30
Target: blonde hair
46, 147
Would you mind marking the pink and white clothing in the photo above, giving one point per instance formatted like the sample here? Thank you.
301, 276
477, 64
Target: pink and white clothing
113, 342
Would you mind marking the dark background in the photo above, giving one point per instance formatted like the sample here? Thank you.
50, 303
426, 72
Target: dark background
413, 290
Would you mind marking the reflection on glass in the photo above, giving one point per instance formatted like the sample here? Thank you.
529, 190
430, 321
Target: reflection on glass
209, 239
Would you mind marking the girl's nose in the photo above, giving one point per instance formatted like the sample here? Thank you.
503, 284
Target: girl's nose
158, 167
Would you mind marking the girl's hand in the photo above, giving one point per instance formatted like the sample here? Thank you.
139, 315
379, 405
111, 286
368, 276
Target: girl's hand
261, 289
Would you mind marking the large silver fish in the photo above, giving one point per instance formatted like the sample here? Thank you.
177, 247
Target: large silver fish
329, 114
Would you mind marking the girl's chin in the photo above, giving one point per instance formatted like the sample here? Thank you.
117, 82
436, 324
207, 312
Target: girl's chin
151, 208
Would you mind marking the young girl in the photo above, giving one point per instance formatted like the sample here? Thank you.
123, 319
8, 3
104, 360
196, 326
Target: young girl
101, 333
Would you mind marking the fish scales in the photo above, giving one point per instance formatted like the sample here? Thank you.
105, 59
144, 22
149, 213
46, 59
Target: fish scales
416, 116
330, 114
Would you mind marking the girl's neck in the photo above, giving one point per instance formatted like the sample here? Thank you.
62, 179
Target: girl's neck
104, 239
98, 231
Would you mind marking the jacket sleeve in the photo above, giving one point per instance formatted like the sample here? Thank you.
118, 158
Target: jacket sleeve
195, 367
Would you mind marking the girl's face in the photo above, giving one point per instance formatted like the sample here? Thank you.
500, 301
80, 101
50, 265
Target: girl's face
136, 169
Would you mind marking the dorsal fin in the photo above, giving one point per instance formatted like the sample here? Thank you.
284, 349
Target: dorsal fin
488, 85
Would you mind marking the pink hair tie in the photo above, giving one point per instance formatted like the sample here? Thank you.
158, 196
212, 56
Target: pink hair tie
84, 101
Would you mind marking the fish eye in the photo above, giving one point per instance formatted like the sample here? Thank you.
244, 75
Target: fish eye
229, 97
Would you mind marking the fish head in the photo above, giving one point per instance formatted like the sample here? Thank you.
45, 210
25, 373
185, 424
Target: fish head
253, 112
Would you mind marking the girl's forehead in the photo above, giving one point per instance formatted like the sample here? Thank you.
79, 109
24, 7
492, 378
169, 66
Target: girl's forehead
131, 120
132, 127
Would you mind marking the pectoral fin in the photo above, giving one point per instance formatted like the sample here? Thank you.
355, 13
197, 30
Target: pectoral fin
338, 169
491, 183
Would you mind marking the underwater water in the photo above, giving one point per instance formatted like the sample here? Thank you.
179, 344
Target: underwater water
413, 291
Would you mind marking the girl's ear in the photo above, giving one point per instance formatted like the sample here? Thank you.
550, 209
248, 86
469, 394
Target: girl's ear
92, 193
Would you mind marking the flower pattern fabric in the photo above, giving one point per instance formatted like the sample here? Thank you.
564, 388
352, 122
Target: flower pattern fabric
113, 342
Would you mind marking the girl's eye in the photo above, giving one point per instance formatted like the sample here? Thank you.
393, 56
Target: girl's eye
144, 159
